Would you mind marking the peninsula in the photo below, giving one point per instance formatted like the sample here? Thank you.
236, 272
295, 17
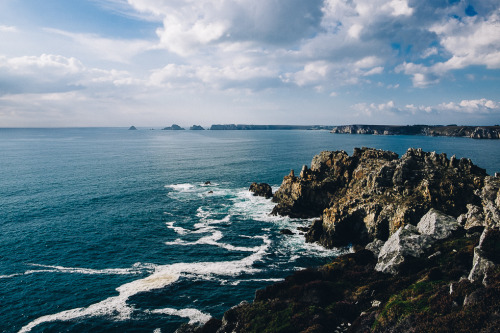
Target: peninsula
425, 235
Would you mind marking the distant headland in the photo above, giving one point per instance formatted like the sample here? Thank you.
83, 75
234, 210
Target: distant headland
476, 132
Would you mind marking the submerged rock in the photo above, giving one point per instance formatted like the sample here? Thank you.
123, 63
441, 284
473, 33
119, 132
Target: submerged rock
261, 190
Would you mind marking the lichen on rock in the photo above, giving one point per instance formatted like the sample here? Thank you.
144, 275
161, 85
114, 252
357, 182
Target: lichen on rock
373, 193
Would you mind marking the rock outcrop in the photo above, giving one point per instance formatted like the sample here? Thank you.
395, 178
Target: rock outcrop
411, 241
422, 272
486, 256
428, 294
261, 190
373, 193
487, 213
132, 128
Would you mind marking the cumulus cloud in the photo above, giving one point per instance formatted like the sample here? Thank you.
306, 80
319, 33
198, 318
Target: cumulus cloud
50, 73
475, 106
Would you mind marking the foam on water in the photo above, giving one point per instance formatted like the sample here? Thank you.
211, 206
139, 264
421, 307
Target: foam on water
116, 307
195, 316
180, 187
178, 230
136, 269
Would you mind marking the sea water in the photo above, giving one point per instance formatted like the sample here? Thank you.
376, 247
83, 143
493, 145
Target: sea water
110, 230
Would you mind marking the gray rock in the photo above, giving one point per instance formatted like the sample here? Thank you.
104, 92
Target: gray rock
437, 225
486, 255
403, 243
375, 246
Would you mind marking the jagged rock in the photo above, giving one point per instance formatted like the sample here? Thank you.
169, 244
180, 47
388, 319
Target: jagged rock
437, 225
403, 243
487, 214
286, 232
372, 193
486, 255
375, 247
261, 190
473, 218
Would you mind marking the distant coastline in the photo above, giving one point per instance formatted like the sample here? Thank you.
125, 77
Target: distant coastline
475, 132
242, 127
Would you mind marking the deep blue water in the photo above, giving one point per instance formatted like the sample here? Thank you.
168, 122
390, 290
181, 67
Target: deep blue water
109, 230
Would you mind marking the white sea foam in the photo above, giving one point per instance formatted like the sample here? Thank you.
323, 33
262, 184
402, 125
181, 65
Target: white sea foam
116, 307
195, 316
137, 268
180, 187
178, 230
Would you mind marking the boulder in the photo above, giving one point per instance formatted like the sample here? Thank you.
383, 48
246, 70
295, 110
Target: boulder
403, 243
486, 255
375, 247
261, 190
437, 225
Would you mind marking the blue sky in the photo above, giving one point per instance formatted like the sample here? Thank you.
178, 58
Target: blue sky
157, 62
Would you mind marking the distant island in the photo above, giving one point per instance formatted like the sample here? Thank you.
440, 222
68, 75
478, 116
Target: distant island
196, 128
174, 127
132, 128
241, 127
476, 132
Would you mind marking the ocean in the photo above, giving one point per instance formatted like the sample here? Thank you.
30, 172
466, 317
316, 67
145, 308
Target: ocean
110, 230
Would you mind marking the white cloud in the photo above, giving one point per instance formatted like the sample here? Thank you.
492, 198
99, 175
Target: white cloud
7, 28
476, 106
482, 105
106, 48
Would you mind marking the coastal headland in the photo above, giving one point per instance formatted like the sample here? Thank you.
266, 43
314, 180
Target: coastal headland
475, 132
425, 239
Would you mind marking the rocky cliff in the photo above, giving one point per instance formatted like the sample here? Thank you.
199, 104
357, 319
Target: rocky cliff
372, 193
476, 132
425, 270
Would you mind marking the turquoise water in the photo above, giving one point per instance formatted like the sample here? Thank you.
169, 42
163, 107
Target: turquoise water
109, 230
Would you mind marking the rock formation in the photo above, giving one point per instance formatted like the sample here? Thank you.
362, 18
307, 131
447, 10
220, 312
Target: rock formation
132, 128
373, 193
261, 190
424, 271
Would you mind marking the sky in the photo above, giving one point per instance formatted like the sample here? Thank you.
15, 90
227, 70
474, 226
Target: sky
77, 63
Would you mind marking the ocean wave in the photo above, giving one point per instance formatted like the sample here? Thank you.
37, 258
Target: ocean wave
136, 269
195, 316
180, 187
117, 307
178, 230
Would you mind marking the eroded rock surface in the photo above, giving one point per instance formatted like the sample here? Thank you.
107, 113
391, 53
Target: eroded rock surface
373, 193
261, 190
